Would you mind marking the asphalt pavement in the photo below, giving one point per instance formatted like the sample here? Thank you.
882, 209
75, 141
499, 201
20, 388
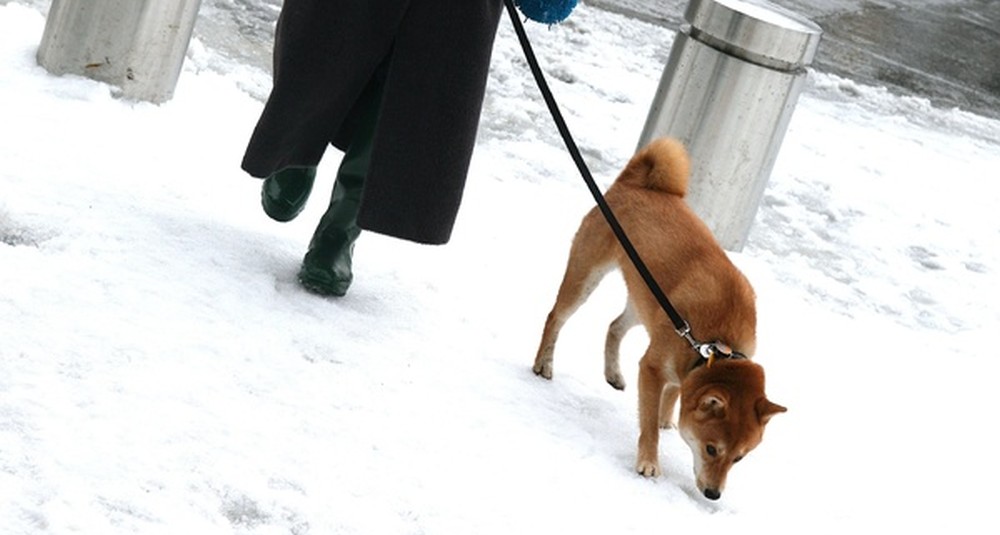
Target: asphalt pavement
945, 50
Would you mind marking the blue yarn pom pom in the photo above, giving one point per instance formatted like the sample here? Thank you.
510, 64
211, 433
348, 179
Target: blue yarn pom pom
546, 11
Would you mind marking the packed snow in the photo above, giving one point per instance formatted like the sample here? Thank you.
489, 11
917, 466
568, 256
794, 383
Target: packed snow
162, 373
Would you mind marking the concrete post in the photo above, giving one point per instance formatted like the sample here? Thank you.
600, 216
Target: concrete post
728, 91
137, 45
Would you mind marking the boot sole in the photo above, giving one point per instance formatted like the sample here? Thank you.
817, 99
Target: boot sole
322, 283
281, 214
278, 207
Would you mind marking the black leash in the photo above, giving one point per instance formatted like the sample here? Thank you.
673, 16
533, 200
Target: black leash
709, 350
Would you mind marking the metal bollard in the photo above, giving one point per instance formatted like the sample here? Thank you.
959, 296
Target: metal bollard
137, 45
728, 91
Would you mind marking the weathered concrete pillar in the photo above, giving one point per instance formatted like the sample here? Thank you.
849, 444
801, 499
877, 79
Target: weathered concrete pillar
137, 45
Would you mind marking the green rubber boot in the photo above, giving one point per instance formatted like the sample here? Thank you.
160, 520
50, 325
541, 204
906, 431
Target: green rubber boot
326, 268
284, 194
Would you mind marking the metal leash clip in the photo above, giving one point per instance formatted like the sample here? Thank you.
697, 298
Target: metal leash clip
713, 350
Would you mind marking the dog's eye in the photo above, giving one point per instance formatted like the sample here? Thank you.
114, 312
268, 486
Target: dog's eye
738, 459
712, 452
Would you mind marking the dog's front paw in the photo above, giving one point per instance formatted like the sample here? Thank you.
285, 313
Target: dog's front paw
648, 468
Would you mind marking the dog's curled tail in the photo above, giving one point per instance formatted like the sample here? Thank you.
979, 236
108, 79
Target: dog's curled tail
662, 165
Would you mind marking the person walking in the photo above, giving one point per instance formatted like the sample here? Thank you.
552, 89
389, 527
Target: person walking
397, 85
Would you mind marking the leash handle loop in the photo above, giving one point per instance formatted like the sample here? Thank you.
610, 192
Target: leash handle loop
681, 326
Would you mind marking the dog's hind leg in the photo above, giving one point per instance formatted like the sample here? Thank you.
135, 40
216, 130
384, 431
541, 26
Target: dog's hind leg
581, 278
612, 345
591, 257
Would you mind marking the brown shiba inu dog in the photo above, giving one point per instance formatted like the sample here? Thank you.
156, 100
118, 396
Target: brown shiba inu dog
723, 407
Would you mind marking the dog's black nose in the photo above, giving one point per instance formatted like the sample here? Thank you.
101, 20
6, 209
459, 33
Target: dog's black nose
713, 494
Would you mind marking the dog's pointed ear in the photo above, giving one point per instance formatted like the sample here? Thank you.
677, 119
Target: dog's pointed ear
766, 409
712, 405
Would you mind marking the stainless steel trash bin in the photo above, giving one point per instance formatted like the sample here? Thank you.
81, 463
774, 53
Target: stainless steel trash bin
728, 90
137, 45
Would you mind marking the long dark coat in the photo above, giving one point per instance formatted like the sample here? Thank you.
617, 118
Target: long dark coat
435, 55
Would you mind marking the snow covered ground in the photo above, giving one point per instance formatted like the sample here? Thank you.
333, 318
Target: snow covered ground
161, 372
